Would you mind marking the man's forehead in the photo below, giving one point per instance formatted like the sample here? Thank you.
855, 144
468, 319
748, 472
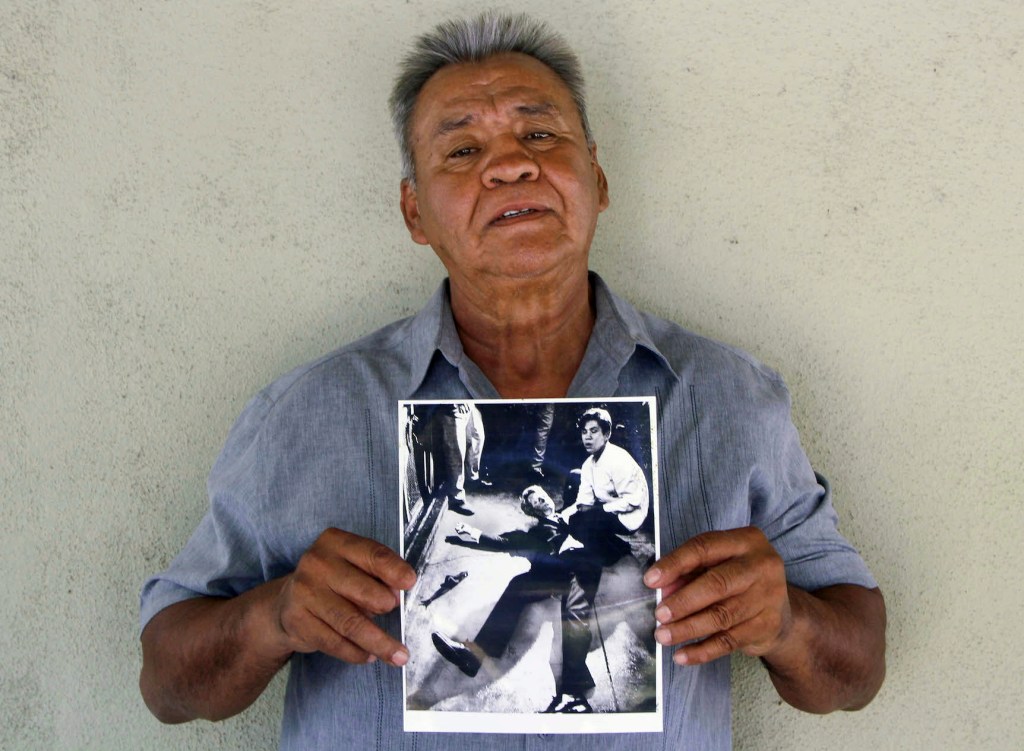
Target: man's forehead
507, 82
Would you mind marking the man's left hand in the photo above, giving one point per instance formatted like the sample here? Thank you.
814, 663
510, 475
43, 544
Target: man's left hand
722, 592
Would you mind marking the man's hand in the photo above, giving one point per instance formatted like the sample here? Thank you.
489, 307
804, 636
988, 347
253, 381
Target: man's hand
467, 532
722, 592
212, 657
726, 591
328, 602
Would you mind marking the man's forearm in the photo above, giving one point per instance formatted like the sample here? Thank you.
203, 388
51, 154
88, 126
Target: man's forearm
211, 658
622, 504
833, 656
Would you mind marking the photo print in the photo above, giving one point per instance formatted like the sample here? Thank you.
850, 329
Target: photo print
529, 525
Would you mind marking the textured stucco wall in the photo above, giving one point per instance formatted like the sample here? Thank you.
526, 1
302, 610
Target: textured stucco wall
195, 197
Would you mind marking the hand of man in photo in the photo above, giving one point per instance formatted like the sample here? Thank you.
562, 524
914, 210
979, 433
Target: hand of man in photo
467, 532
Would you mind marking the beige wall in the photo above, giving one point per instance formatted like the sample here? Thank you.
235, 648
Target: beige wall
195, 197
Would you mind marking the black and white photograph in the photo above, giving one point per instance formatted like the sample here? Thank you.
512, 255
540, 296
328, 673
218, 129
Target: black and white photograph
529, 525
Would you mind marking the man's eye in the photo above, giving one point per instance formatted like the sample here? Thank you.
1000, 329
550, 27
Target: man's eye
538, 136
463, 152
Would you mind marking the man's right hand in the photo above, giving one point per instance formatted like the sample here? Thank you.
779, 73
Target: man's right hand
212, 657
328, 602
467, 532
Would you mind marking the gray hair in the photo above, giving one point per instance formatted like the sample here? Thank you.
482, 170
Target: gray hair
472, 41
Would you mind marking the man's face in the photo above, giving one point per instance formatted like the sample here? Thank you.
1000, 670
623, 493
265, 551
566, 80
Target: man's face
593, 437
506, 185
541, 503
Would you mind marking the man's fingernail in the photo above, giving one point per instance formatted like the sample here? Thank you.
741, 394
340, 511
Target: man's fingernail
400, 657
662, 614
680, 658
371, 658
652, 577
662, 635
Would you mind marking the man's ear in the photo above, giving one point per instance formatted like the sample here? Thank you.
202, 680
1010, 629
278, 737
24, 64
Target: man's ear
602, 180
411, 213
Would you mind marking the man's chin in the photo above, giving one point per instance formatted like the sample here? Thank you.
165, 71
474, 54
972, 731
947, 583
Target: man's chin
528, 263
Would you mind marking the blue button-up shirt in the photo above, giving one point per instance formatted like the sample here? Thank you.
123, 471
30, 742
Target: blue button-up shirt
318, 448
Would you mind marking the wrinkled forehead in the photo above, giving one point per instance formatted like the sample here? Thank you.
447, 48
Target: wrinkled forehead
507, 82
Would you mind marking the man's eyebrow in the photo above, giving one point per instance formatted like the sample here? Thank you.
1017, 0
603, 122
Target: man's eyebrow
448, 126
540, 109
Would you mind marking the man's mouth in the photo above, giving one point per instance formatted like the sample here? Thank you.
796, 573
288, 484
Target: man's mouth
517, 213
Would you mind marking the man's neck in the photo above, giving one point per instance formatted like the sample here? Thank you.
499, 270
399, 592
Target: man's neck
528, 337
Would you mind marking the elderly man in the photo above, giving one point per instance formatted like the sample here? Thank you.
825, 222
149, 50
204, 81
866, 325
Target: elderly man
294, 563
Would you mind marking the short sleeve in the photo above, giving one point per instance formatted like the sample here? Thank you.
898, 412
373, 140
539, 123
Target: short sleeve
793, 506
225, 555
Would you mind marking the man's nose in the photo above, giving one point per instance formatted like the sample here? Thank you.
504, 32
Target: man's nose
511, 162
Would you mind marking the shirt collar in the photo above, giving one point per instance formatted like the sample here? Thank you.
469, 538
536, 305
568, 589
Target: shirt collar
619, 329
431, 332
425, 334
